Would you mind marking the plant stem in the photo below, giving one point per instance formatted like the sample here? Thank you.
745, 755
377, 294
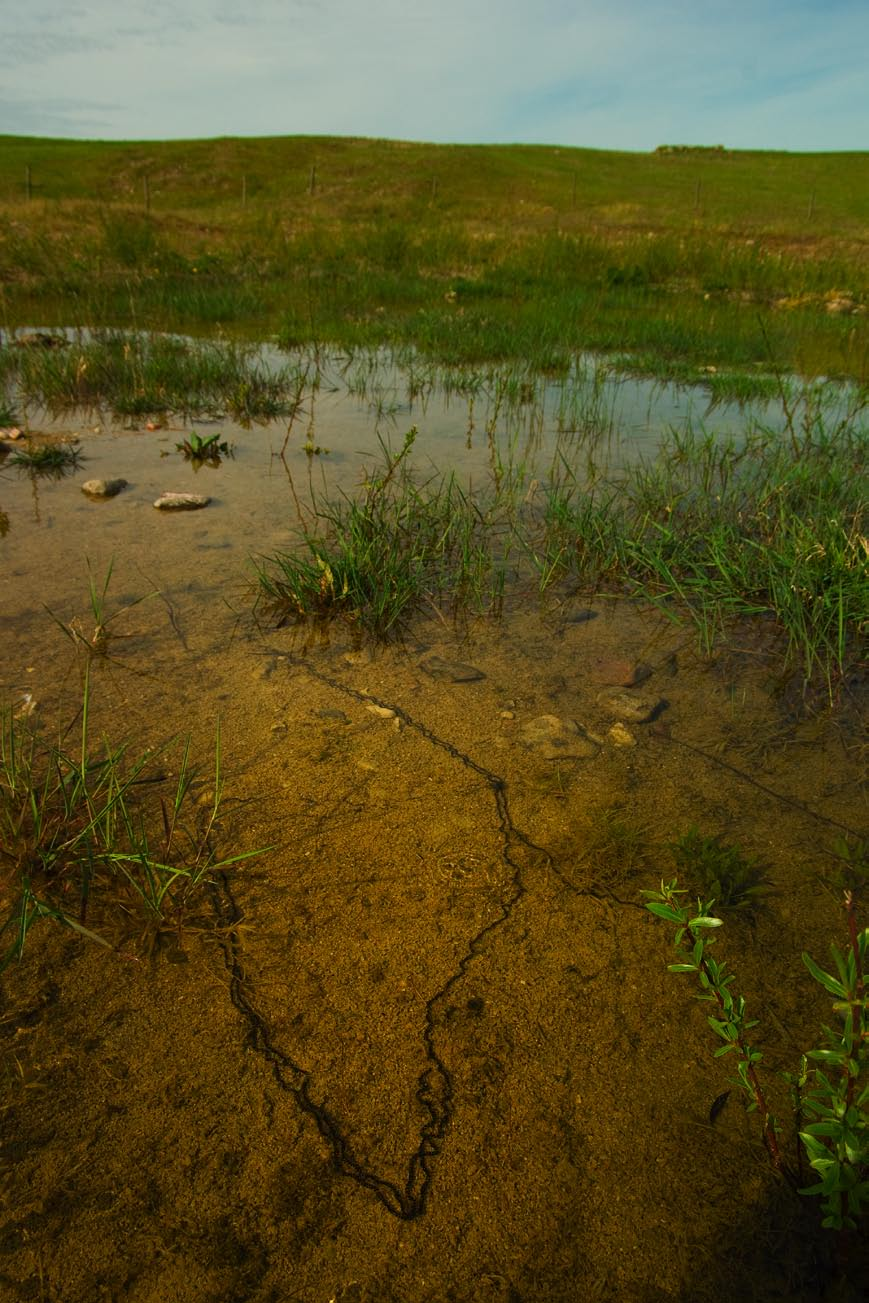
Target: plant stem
769, 1136
857, 1000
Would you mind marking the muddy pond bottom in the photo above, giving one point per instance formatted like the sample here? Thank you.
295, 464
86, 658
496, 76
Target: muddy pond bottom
424, 1045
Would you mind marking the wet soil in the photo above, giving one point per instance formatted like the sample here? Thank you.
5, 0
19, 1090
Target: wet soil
425, 1048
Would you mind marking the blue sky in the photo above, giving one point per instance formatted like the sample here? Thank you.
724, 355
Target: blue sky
625, 74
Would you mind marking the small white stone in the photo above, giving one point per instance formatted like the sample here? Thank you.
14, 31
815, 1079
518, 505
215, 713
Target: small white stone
181, 501
382, 712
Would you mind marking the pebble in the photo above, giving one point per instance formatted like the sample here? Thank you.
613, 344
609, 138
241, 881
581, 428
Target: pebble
382, 712
25, 706
557, 739
450, 671
357, 658
637, 707
181, 501
580, 617
620, 673
331, 712
103, 488
621, 736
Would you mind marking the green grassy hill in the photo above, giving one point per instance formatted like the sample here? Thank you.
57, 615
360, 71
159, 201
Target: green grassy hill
708, 256
803, 195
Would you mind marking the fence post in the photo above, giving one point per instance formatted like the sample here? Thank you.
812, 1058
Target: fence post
697, 188
243, 191
146, 190
28, 183
811, 211
312, 184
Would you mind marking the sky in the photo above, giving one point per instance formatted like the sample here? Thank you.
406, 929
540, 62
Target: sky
608, 74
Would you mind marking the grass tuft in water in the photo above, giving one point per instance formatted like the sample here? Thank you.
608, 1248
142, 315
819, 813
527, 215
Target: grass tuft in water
93, 836
58, 458
137, 375
378, 558
719, 872
717, 530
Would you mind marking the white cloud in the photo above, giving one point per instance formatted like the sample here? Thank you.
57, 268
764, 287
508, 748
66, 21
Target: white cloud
628, 74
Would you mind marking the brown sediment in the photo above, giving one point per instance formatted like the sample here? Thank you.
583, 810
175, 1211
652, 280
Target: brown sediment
425, 1048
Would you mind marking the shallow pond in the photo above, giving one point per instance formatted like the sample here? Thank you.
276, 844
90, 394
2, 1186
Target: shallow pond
425, 1047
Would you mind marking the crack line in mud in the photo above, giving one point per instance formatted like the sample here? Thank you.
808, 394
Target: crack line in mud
769, 791
434, 1091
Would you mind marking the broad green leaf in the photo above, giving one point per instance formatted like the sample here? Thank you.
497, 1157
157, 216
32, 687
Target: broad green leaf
664, 911
816, 1149
827, 981
833, 1129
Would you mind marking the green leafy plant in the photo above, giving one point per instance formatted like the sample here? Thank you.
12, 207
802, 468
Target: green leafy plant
198, 449
718, 871
831, 1088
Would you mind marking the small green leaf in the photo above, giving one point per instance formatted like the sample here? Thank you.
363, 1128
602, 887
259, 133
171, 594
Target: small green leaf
833, 1057
681, 968
664, 911
725, 1030
827, 981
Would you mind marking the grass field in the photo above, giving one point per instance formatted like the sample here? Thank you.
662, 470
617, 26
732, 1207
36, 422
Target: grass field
687, 258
